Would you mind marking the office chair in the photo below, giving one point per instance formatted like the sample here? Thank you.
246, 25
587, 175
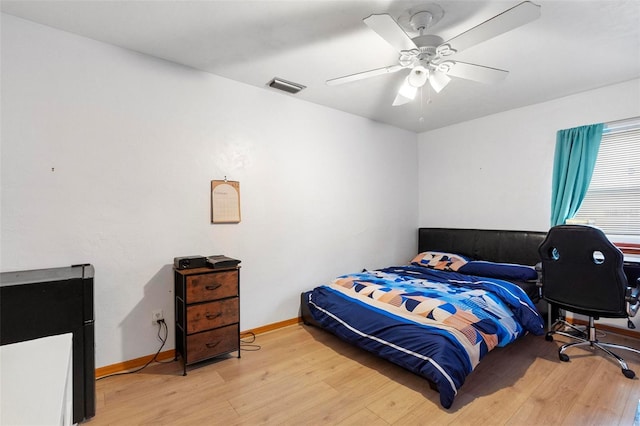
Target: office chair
582, 272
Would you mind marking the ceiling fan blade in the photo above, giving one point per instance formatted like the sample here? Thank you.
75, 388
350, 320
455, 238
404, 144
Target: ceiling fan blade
518, 15
390, 31
477, 72
438, 80
363, 75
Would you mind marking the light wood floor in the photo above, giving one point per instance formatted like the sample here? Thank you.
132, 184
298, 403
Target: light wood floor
303, 375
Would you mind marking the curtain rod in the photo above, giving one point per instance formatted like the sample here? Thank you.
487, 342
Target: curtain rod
621, 125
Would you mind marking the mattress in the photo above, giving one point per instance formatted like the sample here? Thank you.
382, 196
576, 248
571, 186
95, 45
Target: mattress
438, 324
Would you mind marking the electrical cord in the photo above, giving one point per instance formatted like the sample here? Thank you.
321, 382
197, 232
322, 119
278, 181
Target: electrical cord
248, 345
161, 325
245, 345
163, 340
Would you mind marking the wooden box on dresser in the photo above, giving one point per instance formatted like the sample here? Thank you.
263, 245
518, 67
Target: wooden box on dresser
207, 308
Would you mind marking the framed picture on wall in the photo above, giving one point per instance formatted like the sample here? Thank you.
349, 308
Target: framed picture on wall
225, 201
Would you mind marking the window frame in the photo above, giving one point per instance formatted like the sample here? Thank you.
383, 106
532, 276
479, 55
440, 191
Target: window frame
628, 243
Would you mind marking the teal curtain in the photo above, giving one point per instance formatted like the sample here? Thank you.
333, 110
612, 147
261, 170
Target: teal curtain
575, 158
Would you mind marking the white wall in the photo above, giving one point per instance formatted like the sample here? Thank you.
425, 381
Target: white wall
107, 158
495, 172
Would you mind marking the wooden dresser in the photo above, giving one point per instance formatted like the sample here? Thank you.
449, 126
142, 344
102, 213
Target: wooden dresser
207, 310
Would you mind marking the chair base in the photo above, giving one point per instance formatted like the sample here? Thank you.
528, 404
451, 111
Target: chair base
560, 326
588, 338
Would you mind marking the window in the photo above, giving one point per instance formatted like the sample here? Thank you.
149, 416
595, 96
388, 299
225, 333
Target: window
612, 202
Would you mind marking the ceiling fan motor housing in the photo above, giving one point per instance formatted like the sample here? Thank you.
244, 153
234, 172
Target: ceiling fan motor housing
428, 41
426, 52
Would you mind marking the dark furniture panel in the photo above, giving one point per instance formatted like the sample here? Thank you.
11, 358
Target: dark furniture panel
214, 314
484, 244
47, 302
207, 308
209, 344
203, 287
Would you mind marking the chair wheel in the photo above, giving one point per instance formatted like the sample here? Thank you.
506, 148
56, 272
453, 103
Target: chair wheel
629, 374
563, 357
548, 337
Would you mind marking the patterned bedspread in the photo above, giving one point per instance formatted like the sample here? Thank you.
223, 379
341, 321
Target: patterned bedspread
437, 324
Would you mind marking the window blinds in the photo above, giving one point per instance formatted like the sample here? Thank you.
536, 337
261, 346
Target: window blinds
612, 202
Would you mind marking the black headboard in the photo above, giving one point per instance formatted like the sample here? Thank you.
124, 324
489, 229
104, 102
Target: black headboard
484, 244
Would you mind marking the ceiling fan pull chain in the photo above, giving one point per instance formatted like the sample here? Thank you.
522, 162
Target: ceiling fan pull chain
421, 104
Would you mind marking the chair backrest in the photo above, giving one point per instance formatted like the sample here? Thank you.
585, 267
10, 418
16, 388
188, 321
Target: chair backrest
582, 271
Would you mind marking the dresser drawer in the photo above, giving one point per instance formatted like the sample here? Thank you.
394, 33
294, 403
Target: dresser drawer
219, 285
211, 343
213, 314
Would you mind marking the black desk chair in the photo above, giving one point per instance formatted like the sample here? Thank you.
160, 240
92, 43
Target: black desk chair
582, 272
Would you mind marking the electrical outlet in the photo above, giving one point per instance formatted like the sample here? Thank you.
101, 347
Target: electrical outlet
157, 315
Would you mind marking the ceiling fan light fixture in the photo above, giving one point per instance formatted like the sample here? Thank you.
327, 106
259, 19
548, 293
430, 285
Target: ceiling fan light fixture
418, 76
407, 90
438, 80
401, 100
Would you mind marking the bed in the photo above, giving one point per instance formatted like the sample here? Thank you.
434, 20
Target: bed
465, 292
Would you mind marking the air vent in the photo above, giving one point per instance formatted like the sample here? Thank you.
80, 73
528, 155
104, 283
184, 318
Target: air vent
287, 86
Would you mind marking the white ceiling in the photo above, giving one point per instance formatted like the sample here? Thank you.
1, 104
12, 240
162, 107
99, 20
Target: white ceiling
574, 46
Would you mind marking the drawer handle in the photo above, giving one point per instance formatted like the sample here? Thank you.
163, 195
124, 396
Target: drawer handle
212, 316
213, 287
212, 345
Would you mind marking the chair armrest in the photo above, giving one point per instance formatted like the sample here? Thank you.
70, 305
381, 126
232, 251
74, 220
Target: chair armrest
538, 268
633, 299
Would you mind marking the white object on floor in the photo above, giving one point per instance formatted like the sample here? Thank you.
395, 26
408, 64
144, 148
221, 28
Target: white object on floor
36, 383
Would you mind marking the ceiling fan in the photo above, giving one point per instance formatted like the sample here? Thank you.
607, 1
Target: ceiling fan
428, 56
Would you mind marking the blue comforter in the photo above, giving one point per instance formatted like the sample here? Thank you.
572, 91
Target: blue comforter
434, 323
